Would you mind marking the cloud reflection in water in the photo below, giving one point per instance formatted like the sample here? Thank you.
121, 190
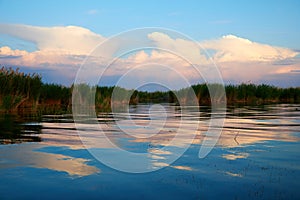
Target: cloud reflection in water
26, 155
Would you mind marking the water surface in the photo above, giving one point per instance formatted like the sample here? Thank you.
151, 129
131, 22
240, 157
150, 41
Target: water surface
256, 157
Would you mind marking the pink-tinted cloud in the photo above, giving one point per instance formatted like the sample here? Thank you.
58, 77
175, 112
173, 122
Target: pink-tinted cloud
231, 48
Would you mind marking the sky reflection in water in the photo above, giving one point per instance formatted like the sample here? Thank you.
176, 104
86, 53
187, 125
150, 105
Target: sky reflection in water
258, 148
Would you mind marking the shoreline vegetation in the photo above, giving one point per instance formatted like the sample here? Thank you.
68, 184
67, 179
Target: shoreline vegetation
26, 93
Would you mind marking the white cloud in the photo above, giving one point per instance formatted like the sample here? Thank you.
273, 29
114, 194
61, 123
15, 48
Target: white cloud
228, 48
139, 57
92, 11
33, 59
67, 40
188, 49
7, 51
238, 59
231, 48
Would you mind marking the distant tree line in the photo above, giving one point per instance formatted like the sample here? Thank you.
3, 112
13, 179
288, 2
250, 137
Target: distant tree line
235, 94
251, 93
19, 90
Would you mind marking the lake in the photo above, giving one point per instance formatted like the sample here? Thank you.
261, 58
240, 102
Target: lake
256, 157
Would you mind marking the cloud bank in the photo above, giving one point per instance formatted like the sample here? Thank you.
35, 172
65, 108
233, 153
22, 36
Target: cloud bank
62, 49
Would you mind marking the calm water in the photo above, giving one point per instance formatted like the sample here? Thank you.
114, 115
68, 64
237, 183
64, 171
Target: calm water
257, 157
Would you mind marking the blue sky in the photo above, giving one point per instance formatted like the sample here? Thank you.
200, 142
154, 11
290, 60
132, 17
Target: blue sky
274, 23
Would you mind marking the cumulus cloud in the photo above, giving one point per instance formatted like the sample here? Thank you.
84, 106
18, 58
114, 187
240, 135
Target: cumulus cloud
188, 49
65, 39
7, 51
231, 48
242, 60
60, 50
239, 59
37, 58
228, 48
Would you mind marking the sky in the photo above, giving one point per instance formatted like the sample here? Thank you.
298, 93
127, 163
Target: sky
248, 41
